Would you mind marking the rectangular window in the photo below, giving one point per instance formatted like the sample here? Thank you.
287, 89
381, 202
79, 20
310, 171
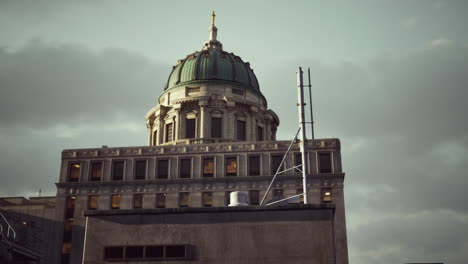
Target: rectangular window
140, 169
74, 172
133, 252
184, 199
207, 199
254, 165
277, 194
326, 195
163, 169
325, 163
208, 167
115, 201
216, 127
231, 166
96, 171
117, 170
190, 128
275, 163
240, 128
93, 202
138, 201
298, 161
155, 138
160, 200
70, 211
168, 132
185, 168
260, 133
254, 196
113, 252
175, 251
154, 252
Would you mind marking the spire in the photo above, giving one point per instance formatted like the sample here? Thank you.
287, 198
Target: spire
212, 42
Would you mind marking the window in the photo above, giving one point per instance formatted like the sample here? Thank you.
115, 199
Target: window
155, 138
163, 169
134, 252
254, 165
298, 161
138, 201
113, 252
207, 199
190, 128
117, 170
154, 252
325, 163
275, 163
254, 196
260, 133
175, 251
67, 230
93, 202
96, 171
184, 199
208, 167
216, 127
277, 194
185, 168
160, 200
168, 132
140, 169
326, 195
231, 166
74, 172
70, 212
115, 201
240, 128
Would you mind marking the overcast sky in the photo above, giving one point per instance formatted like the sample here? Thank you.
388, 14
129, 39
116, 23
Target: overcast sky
390, 80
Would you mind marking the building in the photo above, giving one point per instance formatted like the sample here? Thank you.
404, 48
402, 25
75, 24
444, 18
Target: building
209, 134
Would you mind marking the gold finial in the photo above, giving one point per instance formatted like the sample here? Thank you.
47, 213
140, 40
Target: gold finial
213, 18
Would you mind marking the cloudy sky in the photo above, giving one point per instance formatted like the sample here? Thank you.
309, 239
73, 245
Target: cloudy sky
390, 80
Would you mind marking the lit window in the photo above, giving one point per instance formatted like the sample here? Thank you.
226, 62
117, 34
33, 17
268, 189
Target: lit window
275, 163
117, 170
138, 201
208, 167
185, 168
216, 127
140, 169
96, 171
240, 128
160, 200
326, 195
93, 202
74, 172
254, 196
169, 132
325, 163
163, 169
231, 166
183, 199
207, 199
115, 201
254, 165
260, 133
190, 128
66, 249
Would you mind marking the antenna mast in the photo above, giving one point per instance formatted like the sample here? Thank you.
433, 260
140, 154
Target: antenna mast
300, 100
310, 103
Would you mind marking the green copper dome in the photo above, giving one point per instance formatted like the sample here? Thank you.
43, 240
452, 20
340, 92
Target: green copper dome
212, 66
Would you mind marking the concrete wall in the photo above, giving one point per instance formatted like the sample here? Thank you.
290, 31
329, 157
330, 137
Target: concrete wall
292, 234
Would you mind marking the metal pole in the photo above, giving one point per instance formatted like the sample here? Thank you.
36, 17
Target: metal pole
300, 97
310, 104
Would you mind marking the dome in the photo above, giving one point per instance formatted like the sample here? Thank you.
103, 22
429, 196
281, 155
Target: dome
212, 66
